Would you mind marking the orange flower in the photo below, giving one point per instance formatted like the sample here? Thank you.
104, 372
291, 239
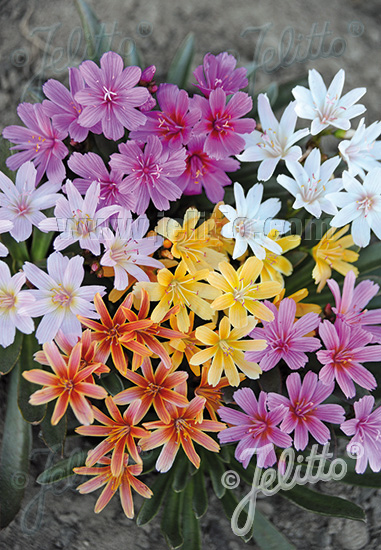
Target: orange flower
187, 345
212, 394
154, 389
227, 350
119, 432
183, 429
124, 481
89, 355
67, 383
110, 332
148, 335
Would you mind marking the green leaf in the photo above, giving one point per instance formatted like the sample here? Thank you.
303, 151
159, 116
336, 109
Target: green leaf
180, 472
5, 152
369, 259
200, 497
367, 479
151, 507
18, 251
31, 413
271, 381
171, 520
53, 436
10, 355
149, 459
112, 383
63, 468
16, 446
191, 525
267, 536
41, 241
180, 67
94, 31
133, 56
216, 470
285, 92
229, 503
326, 505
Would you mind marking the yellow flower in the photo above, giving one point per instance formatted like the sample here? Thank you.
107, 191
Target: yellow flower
241, 293
183, 289
194, 246
301, 309
332, 253
227, 351
274, 265
188, 345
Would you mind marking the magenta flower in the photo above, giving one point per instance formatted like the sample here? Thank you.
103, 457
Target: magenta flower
12, 300
40, 141
60, 297
111, 97
147, 81
174, 123
305, 412
255, 428
350, 305
205, 172
63, 109
152, 172
344, 353
22, 203
366, 429
218, 71
222, 122
78, 219
285, 337
92, 168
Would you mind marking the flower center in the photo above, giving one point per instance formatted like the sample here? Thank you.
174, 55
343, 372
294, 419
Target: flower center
153, 388
226, 348
61, 297
7, 301
365, 205
302, 408
68, 385
108, 95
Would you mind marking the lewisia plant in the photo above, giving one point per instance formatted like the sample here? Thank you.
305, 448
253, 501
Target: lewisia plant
188, 326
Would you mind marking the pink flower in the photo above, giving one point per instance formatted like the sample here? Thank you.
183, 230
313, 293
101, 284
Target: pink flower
127, 250
205, 172
222, 122
147, 81
63, 109
350, 305
151, 170
255, 428
22, 203
60, 296
41, 142
174, 123
305, 412
285, 338
78, 219
111, 97
218, 71
12, 299
344, 353
366, 429
92, 168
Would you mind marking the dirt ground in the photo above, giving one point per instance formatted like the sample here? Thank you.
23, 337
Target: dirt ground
40, 40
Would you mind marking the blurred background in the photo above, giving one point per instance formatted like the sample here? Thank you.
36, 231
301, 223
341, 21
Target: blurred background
40, 40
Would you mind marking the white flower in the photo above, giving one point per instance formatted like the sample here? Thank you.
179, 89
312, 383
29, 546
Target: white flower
21, 203
275, 142
60, 297
12, 299
327, 108
311, 183
251, 221
362, 152
127, 249
361, 205
79, 219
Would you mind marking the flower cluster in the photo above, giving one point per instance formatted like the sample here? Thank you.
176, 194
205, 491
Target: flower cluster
193, 303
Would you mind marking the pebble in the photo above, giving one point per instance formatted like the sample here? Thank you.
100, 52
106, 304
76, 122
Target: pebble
354, 535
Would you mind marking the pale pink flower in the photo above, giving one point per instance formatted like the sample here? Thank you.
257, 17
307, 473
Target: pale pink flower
12, 299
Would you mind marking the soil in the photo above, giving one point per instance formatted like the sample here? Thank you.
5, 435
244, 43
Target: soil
39, 40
